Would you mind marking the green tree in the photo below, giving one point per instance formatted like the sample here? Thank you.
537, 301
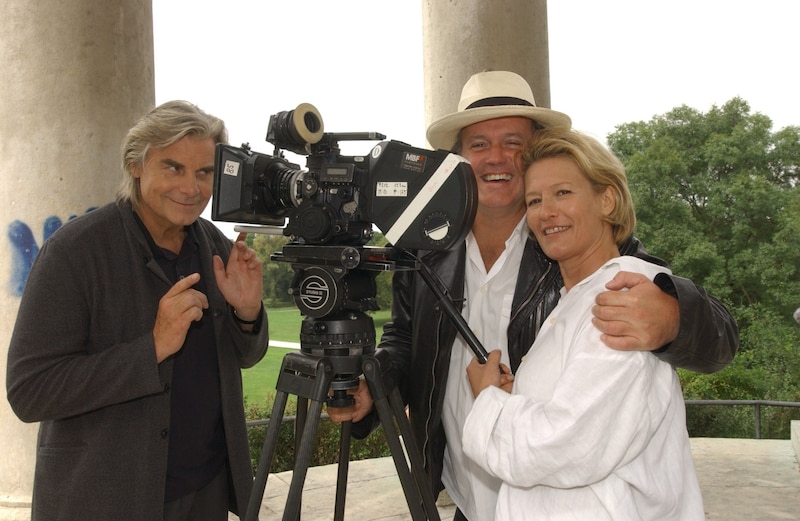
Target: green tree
383, 281
277, 275
716, 196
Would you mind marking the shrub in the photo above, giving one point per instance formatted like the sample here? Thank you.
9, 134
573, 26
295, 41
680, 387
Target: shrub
325, 449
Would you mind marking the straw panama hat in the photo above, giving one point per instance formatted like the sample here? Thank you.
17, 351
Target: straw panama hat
489, 95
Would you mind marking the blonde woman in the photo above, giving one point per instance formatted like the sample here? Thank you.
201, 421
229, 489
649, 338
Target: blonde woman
586, 432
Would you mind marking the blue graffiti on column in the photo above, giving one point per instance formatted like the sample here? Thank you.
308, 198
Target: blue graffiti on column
24, 249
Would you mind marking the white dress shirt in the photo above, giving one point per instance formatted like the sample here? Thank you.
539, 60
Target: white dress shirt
487, 310
588, 433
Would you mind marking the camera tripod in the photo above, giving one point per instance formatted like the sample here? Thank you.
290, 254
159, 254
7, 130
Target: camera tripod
333, 286
310, 376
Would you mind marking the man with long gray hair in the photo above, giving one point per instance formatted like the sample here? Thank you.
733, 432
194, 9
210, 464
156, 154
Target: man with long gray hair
133, 327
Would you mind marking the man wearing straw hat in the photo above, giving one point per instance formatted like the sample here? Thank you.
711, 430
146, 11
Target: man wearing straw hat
508, 287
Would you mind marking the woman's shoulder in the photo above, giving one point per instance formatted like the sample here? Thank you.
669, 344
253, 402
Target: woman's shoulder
636, 265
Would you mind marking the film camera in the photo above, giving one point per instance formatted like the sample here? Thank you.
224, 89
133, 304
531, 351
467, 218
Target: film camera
420, 199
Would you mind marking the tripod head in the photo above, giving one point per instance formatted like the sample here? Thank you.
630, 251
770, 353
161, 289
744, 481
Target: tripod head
334, 288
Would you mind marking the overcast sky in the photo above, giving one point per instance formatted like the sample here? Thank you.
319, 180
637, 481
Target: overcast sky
360, 61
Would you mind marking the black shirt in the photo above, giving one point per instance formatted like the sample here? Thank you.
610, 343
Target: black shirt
197, 449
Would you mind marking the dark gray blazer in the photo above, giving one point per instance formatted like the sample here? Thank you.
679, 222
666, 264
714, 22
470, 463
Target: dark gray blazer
82, 362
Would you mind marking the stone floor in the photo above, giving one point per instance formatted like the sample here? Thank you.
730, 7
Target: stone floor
741, 479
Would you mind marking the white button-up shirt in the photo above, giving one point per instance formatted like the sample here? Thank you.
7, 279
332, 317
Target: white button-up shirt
588, 433
487, 310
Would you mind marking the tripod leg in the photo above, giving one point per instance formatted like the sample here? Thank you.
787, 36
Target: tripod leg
344, 466
414, 454
419, 496
306, 377
301, 416
265, 460
302, 461
392, 438
309, 378
300, 421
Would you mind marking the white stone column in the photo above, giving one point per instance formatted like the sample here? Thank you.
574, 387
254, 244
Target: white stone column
76, 75
462, 37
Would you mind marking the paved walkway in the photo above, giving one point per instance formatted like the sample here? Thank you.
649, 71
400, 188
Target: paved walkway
756, 480
741, 479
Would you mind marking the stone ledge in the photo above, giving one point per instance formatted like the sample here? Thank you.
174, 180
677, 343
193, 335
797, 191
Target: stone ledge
15, 513
15, 508
15, 502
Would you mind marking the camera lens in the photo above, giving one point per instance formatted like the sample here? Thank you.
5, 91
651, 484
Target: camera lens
296, 128
278, 185
311, 122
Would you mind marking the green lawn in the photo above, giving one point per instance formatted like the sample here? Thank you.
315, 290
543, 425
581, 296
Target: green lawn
284, 325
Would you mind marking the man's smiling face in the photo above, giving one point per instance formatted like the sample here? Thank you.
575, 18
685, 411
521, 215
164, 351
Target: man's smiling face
176, 183
493, 148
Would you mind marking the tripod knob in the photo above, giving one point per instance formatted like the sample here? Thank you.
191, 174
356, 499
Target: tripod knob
340, 399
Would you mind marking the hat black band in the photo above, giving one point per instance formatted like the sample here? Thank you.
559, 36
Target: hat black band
500, 100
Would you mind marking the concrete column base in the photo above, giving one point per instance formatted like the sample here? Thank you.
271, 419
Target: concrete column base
795, 435
15, 508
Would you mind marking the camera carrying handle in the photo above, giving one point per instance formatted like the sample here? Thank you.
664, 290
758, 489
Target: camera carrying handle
452, 313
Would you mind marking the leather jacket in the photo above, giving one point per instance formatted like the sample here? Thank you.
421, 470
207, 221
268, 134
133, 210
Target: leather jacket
420, 336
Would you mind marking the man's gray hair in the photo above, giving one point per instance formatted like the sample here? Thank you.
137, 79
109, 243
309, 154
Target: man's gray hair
163, 126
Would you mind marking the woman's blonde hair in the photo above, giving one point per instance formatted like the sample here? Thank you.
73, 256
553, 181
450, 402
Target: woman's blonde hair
600, 166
